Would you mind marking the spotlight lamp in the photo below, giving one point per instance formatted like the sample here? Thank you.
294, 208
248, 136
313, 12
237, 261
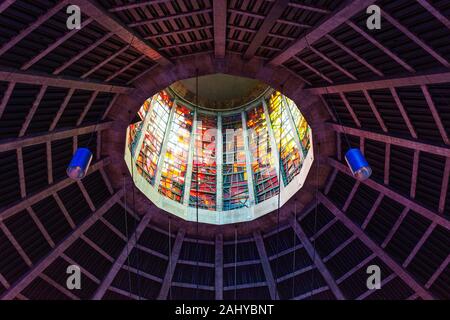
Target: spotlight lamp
358, 164
79, 164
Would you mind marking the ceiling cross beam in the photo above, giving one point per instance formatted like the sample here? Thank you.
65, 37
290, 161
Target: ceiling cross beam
275, 13
373, 246
355, 55
423, 79
316, 259
270, 279
167, 282
38, 268
47, 192
393, 140
344, 12
32, 110
416, 39
405, 201
54, 45
33, 26
61, 82
435, 12
11, 144
123, 256
435, 114
380, 46
220, 28
96, 12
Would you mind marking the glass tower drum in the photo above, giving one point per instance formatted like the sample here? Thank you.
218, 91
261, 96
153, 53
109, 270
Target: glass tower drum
219, 166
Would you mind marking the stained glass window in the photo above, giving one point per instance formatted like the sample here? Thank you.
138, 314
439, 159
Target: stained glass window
234, 171
178, 167
204, 171
301, 126
154, 134
281, 126
174, 167
264, 174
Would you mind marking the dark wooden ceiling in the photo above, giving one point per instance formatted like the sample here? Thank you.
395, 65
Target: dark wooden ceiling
390, 88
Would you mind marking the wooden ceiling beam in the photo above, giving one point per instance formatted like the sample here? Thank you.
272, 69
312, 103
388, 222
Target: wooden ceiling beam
347, 10
95, 11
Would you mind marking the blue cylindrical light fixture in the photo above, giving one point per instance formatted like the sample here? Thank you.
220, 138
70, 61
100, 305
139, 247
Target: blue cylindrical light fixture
79, 164
358, 164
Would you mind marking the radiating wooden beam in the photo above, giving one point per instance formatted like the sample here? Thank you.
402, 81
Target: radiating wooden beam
82, 53
218, 267
109, 23
309, 7
414, 174
58, 287
6, 97
375, 111
310, 67
274, 14
21, 171
415, 38
387, 163
4, 282
373, 246
119, 262
125, 68
48, 153
15, 244
220, 27
87, 107
60, 82
350, 196
56, 252
169, 17
384, 281
405, 201
435, 114
332, 63
438, 272
444, 186
395, 227
419, 245
270, 279
356, 268
40, 226
354, 55
317, 260
5, 4
61, 109
339, 248
344, 12
111, 104
430, 78
136, 5
435, 12
393, 140
63, 209
54, 45
167, 282
47, 192
403, 112
372, 211
350, 109
380, 46
33, 26
32, 110
105, 62
11, 144
86, 195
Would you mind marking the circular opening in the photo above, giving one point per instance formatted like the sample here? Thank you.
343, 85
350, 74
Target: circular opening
219, 165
